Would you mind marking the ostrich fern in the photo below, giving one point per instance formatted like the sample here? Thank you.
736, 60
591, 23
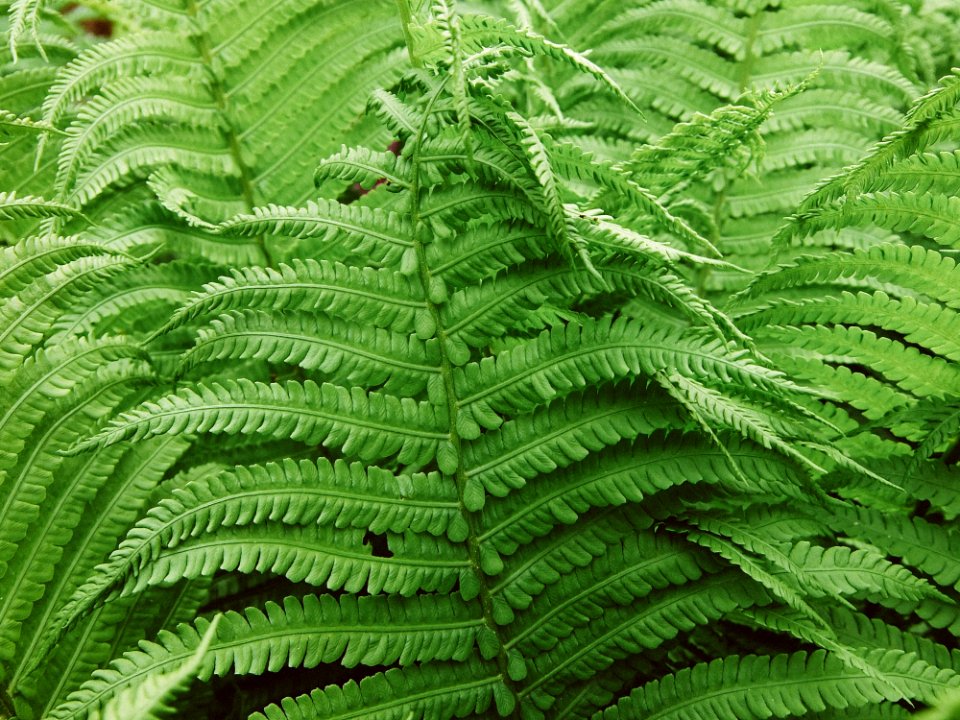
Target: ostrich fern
366, 348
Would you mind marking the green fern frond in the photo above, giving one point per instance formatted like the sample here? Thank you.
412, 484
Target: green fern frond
27, 317
298, 633
778, 686
147, 701
430, 690
345, 353
27, 206
557, 436
384, 298
367, 425
383, 237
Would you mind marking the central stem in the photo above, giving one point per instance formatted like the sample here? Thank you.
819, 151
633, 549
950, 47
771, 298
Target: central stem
406, 18
230, 134
446, 370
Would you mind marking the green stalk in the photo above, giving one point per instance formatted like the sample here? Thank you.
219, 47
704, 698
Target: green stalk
406, 17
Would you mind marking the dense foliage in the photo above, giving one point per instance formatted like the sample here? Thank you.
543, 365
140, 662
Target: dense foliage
537, 359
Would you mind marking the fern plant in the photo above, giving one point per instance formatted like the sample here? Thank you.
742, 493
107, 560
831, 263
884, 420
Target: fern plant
864, 62
343, 344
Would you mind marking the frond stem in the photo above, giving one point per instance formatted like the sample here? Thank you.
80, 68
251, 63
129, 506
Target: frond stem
230, 133
406, 18
446, 372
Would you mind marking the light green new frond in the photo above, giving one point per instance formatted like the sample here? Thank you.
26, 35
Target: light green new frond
754, 422
427, 692
667, 290
24, 20
148, 700
375, 234
400, 117
539, 160
13, 207
364, 425
605, 234
779, 686
481, 31
345, 353
299, 633
706, 142
383, 298
785, 585
571, 160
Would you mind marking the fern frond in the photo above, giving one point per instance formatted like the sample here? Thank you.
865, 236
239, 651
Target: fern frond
298, 633
430, 690
623, 631
13, 207
367, 425
147, 701
345, 353
483, 31
298, 494
577, 356
28, 316
119, 503
557, 436
382, 237
927, 215
627, 572
382, 297
925, 324
779, 686
619, 475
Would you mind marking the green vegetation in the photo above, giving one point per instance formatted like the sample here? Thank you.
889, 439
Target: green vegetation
553, 359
